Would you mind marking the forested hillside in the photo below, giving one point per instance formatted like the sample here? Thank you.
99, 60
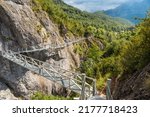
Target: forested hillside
99, 55
134, 83
77, 22
116, 49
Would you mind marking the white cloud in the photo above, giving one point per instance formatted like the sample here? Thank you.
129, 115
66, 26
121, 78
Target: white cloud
94, 5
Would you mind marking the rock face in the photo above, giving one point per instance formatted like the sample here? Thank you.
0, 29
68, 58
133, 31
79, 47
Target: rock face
21, 27
137, 87
5, 92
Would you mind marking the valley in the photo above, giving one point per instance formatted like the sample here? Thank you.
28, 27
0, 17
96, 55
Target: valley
110, 48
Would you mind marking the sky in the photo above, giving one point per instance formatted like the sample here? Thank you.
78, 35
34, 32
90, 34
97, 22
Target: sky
95, 5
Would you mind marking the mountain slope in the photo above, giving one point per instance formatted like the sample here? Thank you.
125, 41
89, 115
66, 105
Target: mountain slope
75, 20
134, 83
135, 87
97, 18
130, 10
21, 27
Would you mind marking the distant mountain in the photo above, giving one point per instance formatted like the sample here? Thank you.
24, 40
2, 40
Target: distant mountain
97, 19
130, 10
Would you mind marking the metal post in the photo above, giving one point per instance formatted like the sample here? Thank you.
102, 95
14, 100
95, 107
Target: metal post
94, 87
83, 87
108, 90
69, 84
25, 62
89, 91
41, 70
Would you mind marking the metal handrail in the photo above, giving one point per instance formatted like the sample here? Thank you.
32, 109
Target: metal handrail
108, 90
76, 79
52, 47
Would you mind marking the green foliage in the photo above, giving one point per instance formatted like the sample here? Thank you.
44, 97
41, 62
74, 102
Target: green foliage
125, 50
76, 21
106, 63
136, 54
100, 83
91, 30
41, 96
78, 49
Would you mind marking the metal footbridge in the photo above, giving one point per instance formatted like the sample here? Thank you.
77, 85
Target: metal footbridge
52, 47
71, 80
76, 82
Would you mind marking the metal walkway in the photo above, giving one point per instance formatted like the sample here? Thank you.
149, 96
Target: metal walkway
74, 81
52, 47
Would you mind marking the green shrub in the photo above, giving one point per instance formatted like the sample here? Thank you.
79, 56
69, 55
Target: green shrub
42, 96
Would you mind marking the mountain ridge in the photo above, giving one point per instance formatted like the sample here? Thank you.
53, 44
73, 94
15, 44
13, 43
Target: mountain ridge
130, 10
